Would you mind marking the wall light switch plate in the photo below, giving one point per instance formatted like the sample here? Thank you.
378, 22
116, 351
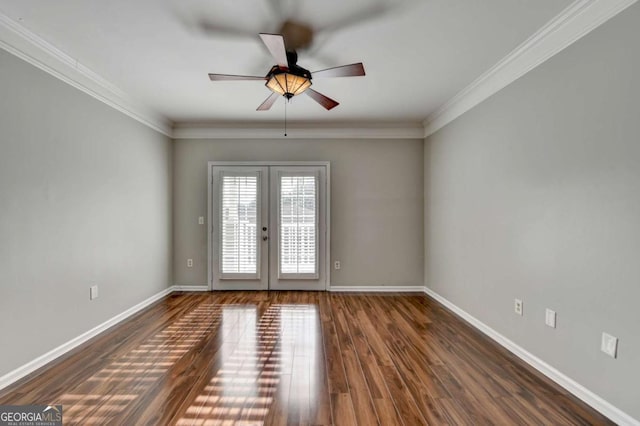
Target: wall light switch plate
550, 318
517, 306
609, 345
201, 220
93, 292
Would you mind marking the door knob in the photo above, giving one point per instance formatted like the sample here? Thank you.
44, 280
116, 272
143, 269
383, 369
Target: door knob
265, 238
264, 228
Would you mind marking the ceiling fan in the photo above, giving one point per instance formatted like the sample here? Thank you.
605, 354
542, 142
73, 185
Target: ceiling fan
286, 78
299, 33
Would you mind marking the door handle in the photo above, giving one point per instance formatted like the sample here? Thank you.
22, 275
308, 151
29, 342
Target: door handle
265, 238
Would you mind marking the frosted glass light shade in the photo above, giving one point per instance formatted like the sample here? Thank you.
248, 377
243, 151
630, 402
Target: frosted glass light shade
288, 84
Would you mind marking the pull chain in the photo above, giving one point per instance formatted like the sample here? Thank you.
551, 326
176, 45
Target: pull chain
286, 101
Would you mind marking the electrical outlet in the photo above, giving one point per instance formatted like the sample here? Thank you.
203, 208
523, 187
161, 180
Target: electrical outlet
336, 265
201, 220
517, 307
93, 292
550, 318
609, 345
189, 263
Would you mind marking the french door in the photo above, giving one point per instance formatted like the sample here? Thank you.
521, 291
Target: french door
268, 227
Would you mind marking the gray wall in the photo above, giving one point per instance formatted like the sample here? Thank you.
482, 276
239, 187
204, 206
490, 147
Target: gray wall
535, 194
376, 204
85, 197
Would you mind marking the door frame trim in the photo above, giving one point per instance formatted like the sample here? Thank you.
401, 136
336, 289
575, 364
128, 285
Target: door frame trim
326, 164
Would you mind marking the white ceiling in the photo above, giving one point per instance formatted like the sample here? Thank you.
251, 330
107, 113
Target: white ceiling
417, 55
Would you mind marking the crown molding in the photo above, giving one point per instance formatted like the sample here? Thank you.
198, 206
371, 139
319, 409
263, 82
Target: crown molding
307, 131
25, 44
577, 20
30, 47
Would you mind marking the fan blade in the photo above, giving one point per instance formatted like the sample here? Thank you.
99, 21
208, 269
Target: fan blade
230, 77
323, 100
372, 12
195, 22
268, 102
369, 13
275, 44
220, 30
353, 70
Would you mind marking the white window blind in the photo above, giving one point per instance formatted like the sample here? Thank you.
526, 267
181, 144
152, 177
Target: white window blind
298, 224
239, 218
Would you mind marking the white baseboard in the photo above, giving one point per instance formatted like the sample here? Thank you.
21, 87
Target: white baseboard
190, 288
42, 360
30, 367
595, 401
354, 288
379, 289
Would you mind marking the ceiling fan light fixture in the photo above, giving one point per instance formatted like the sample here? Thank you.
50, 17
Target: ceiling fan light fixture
288, 82
288, 79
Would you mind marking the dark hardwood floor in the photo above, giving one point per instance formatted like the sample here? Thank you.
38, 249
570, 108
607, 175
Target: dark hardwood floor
249, 358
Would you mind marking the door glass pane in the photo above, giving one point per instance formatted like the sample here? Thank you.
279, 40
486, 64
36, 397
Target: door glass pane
239, 217
298, 233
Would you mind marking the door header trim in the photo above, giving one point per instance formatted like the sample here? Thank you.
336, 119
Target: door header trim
268, 163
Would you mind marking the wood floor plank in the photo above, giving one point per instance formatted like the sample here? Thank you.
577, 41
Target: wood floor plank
382, 399
360, 394
342, 409
313, 358
320, 411
456, 414
422, 384
335, 365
